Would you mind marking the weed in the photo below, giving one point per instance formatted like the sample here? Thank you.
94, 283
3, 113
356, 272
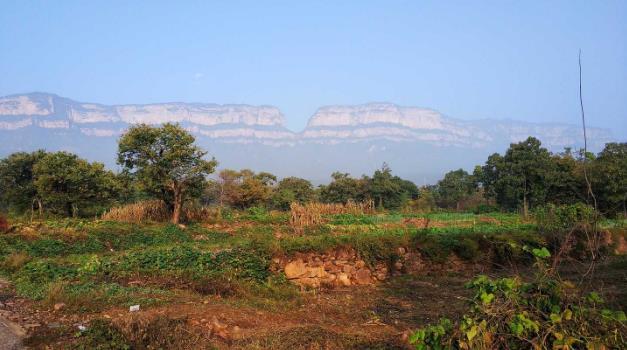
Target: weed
14, 261
102, 335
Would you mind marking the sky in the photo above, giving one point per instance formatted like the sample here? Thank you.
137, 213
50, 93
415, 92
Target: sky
466, 59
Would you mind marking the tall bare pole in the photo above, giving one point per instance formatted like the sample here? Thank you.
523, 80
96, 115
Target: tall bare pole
585, 139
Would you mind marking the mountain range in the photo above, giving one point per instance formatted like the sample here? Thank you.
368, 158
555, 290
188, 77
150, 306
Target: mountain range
418, 143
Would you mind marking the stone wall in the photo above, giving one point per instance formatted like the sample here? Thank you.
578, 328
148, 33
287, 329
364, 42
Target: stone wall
344, 267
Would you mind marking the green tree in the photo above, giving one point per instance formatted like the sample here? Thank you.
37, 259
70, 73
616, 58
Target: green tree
344, 188
565, 180
255, 188
455, 187
609, 178
17, 181
292, 189
166, 162
389, 191
244, 188
68, 184
519, 178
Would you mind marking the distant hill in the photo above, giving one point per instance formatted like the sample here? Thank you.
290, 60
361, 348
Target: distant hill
418, 143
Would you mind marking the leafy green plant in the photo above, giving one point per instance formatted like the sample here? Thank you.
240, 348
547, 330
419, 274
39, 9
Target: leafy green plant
101, 335
508, 313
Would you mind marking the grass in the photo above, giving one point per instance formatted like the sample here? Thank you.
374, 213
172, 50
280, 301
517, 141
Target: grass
94, 265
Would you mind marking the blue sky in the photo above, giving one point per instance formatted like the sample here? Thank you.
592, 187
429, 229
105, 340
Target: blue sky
467, 59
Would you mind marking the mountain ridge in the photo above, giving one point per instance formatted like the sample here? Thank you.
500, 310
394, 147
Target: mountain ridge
245, 135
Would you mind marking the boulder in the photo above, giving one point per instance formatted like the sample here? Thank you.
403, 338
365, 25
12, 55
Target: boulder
295, 269
343, 279
363, 276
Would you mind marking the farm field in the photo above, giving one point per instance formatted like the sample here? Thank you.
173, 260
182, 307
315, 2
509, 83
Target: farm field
246, 280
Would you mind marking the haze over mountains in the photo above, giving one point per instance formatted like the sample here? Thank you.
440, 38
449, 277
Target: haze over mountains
418, 143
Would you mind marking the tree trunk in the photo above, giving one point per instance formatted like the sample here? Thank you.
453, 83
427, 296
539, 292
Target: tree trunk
178, 204
525, 204
69, 209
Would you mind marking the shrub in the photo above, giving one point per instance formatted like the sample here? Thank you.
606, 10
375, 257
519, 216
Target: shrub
553, 218
544, 313
14, 261
570, 230
102, 335
485, 208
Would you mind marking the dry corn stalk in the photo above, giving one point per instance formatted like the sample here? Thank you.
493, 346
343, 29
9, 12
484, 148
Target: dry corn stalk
311, 214
149, 210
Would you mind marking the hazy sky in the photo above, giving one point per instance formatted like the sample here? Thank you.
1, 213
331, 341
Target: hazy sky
467, 59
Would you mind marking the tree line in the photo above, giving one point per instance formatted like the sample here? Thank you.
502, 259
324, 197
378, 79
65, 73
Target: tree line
527, 175
164, 163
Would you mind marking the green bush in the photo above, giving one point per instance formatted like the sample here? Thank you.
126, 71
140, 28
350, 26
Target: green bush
508, 313
554, 218
102, 335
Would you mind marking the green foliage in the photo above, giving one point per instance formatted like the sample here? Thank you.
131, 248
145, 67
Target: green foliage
552, 218
388, 191
239, 263
454, 187
243, 189
344, 188
101, 335
69, 185
517, 180
292, 189
485, 208
17, 180
432, 337
166, 163
609, 178
508, 313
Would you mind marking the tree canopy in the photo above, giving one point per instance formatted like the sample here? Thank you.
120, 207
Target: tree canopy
67, 183
166, 162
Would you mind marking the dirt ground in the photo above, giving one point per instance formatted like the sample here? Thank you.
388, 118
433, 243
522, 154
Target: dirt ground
356, 317
366, 317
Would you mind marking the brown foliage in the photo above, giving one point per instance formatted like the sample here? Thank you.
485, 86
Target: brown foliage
157, 211
311, 214
4, 224
139, 212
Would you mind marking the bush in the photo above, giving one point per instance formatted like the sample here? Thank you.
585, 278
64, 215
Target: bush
570, 230
485, 208
553, 218
102, 335
544, 313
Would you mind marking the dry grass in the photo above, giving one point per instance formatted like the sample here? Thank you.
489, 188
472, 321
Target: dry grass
311, 214
157, 211
203, 214
139, 212
55, 293
15, 261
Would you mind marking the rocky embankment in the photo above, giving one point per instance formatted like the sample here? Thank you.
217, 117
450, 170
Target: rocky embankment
344, 267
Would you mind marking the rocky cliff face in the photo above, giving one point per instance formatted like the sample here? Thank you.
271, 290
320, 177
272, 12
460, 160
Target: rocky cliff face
219, 121
256, 136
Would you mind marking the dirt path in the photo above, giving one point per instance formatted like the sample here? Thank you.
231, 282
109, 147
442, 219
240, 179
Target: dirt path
11, 334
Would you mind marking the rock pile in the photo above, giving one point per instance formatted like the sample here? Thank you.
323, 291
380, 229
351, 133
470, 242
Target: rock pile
337, 268
343, 267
